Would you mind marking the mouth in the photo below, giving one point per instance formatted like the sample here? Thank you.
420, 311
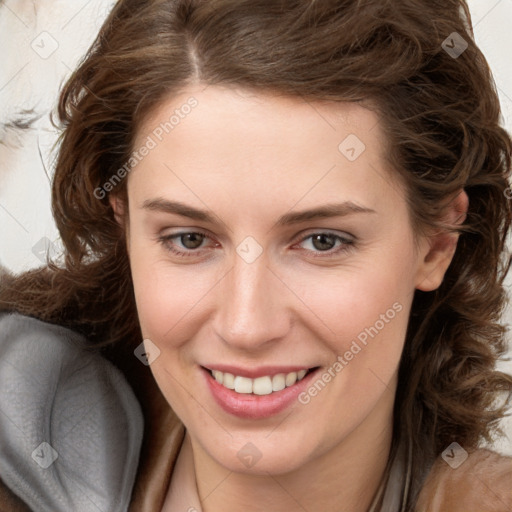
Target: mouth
265, 394
263, 385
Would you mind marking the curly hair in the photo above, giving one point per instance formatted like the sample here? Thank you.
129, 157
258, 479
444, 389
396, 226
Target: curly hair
441, 114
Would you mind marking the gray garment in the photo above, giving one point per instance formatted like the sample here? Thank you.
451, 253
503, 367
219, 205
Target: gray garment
71, 427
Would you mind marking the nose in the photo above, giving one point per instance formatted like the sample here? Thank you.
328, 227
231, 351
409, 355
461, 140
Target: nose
252, 309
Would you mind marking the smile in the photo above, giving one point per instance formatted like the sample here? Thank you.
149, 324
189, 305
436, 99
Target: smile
259, 393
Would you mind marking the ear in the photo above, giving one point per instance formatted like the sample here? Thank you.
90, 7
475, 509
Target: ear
438, 250
121, 216
118, 207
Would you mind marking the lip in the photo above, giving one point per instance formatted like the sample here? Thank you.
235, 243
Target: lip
259, 371
250, 406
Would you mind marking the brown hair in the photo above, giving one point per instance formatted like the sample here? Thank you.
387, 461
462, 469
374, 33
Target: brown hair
440, 112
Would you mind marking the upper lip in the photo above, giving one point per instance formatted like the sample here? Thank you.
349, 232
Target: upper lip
258, 371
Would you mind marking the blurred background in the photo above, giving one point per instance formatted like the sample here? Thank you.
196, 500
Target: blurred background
44, 40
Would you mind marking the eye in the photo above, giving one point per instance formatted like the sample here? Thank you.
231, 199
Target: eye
184, 244
327, 244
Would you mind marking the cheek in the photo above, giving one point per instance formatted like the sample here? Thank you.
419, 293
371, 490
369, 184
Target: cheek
362, 317
166, 296
361, 313
168, 300
348, 299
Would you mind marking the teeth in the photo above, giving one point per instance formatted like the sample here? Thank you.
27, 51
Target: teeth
278, 382
218, 376
291, 379
243, 384
259, 386
229, 380
262, 386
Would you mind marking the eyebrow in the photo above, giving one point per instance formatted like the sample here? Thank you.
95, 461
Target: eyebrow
322, 212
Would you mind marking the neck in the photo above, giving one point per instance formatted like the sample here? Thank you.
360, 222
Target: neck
343, 479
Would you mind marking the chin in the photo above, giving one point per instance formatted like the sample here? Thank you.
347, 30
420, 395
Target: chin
258, 454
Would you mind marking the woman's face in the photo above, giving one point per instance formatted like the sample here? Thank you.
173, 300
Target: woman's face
267, 239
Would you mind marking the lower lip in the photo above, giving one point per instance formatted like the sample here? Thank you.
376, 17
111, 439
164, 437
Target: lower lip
250, 406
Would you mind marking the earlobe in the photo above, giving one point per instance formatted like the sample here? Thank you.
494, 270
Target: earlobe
435, 265
440, 248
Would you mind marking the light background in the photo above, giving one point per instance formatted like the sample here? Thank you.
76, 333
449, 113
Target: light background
43, 41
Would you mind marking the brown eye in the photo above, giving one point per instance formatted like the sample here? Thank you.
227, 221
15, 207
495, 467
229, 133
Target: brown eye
191, 240
325, 244
184, 244
323, 241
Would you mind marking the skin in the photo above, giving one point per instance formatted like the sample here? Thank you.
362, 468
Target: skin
249, 158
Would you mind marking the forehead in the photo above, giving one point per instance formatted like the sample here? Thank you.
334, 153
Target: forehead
244, 113
222, 142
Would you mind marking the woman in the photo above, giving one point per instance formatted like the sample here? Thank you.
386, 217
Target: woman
285, 223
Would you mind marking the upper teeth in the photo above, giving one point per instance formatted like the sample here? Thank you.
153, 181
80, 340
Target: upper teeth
259, 386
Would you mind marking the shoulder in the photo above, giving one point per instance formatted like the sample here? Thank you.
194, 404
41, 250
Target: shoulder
482, 481
49, 360
23, 336
71, 427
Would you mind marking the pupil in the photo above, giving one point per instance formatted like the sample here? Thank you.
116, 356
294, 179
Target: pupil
195, 240
320, 243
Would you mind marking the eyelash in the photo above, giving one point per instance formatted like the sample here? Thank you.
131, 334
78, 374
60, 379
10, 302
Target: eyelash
346, 244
